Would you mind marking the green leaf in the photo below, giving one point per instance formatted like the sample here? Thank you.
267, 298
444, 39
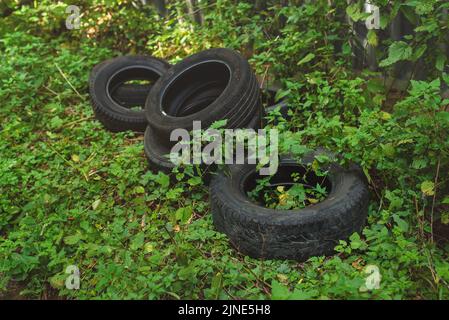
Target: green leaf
398, 51
58, 281
139, 190
445, 200
388, 149
183, 214
422, 6
56, 122
385, 115
440, 62
309, 57
428, 188
303, 295
194, 181
372, 38
71, 240
173, 193
279, 291
163, 180
355, 13
148, 247
219, 124
357, 242
419, 163
419, 52
402, 224
281, 94
137, 241
216, 285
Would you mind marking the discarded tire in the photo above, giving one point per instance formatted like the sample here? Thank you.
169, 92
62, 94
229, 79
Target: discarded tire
210, 86
157, 149
222, 70
131, 95
108, 76
288, 234
157, 152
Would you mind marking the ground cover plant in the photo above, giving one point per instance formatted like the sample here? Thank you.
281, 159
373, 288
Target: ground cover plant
297, 191
72, 193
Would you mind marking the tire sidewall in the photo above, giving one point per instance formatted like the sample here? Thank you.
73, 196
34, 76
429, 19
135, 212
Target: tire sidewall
102, 74
293, 234
240, 75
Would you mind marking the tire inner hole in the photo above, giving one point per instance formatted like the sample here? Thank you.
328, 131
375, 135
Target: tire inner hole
195, 89
293, 186
129, 87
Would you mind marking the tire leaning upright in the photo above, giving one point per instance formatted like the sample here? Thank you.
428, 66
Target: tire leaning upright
220, 69
109, 75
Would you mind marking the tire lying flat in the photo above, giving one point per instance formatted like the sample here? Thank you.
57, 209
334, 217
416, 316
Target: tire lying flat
108, 76
288, 234
157, 153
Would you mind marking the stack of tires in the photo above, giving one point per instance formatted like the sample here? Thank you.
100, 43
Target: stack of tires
214, 85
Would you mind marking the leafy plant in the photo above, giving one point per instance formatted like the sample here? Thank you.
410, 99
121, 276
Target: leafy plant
72, 193
288, 196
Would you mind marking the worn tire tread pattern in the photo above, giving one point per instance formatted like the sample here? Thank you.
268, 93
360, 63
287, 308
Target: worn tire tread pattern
297, 238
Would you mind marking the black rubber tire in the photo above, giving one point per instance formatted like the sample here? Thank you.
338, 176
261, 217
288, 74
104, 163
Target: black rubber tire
238, 102
131, 95
288, 234
108, 76
156, 149
135, 95
156, 152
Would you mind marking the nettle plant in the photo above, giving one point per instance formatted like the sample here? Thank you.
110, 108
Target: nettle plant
295, 190
424, 46
72, 193
403, 149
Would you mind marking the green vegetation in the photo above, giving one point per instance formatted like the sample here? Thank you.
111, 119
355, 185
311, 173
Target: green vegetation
294, 193
72, 193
